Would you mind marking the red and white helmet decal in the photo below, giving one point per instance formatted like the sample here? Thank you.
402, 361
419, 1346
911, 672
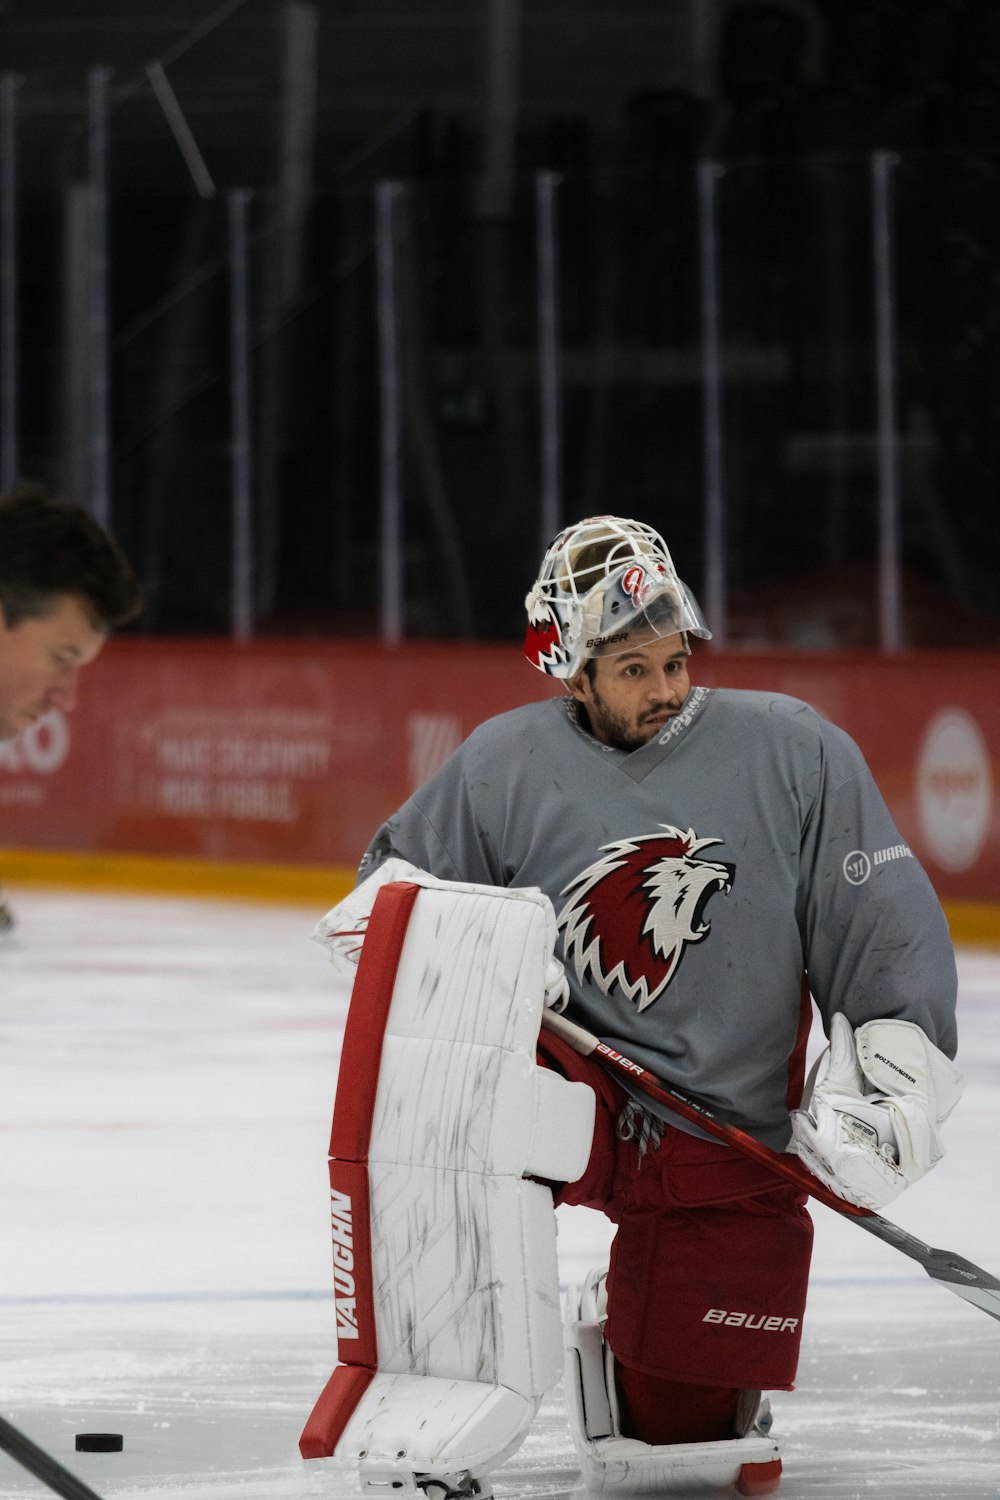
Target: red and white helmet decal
543, 638
631, 914
638, 584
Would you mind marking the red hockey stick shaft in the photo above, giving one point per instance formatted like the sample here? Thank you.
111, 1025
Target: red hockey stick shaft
965, 1279
785, 1165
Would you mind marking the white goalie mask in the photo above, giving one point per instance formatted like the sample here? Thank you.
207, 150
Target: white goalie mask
605, 585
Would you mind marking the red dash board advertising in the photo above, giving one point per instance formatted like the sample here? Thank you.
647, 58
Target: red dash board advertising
295, 752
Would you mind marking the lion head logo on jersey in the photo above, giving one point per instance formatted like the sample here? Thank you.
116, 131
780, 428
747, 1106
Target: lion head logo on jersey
631, 914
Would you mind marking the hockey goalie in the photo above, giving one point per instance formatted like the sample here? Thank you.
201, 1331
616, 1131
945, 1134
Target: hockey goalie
713, 864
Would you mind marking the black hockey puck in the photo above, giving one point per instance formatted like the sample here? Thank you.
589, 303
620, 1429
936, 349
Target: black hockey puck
99, 1442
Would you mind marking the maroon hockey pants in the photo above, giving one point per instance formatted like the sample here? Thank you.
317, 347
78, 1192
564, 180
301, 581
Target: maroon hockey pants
709, 1265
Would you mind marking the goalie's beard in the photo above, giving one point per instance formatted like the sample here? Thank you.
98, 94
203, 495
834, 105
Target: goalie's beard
615, 729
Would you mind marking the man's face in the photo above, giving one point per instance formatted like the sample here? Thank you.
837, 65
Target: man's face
635, 694
40, 661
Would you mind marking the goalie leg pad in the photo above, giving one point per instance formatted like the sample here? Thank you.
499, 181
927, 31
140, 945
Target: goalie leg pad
445, 1273
612, 1463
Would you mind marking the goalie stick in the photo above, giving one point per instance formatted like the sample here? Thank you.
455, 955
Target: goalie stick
954, 1273
42, 1464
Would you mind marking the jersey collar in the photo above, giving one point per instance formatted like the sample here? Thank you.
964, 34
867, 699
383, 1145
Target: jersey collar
638, 763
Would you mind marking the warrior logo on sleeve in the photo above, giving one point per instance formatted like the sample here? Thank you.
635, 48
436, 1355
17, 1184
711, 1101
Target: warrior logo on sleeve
631, 914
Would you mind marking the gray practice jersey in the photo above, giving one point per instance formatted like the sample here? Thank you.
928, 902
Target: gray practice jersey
703, 885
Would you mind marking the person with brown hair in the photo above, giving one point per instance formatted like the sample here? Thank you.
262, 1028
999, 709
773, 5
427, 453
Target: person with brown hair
64, 586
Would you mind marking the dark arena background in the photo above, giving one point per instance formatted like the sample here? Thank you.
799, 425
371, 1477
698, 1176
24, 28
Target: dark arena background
334, 313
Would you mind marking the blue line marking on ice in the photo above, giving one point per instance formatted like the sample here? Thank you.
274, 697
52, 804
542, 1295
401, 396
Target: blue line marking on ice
118, 1298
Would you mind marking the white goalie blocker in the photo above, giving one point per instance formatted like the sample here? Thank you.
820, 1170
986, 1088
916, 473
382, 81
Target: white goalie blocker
445, 1271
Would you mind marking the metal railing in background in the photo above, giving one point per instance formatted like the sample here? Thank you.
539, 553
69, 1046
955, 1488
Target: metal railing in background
887, 412
366, 405
241, 440
551, 502
97, 342
392, 583
9, 335
712, 399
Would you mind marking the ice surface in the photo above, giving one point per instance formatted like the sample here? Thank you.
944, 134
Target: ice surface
166, 1080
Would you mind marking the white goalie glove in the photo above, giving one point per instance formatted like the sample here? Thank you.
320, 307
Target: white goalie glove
868, 1124
342, 931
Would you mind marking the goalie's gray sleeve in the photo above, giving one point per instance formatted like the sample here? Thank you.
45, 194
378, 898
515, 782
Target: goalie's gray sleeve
888, 954
789, 866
